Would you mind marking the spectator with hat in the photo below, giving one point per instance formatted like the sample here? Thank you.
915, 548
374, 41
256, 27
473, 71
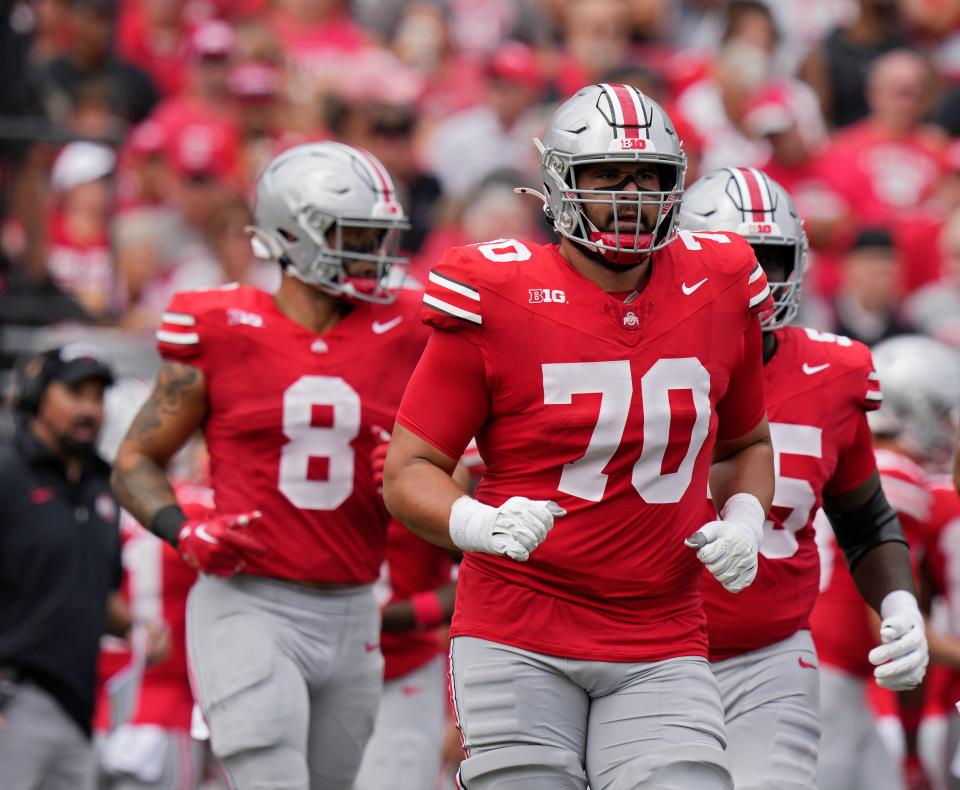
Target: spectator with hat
866, 308
497, 133
59, 569
79, 260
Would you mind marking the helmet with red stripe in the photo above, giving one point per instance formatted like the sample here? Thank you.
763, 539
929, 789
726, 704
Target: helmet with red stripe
611, 123
920, 378
747, 201
328, 212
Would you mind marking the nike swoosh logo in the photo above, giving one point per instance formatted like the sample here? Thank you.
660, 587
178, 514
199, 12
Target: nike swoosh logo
689, 289
386, 326
370, 646
201, 532
811, 369
806, 665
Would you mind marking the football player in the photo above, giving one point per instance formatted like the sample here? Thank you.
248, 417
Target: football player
819, 388
601, 377
909, 430
154, 750
918, 424
282, 625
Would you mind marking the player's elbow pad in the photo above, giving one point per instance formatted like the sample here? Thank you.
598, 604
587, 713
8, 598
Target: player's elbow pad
862, 530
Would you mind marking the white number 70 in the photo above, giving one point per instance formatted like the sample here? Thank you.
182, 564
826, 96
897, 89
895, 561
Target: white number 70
585, 478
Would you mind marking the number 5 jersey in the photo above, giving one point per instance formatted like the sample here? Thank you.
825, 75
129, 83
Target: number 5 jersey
609, 404
289, 426
819, 387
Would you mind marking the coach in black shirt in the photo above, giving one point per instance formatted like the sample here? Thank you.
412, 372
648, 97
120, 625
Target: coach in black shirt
59, 568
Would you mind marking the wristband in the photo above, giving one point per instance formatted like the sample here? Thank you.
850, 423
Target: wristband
899, 602
427, 610
471, 525
745, 509
167, 522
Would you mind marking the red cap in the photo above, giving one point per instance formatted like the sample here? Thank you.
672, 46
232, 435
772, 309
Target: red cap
204, 148
253, 81
770, 112
213, 38
518, 63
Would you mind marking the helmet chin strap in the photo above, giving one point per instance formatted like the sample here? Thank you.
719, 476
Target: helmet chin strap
599, 257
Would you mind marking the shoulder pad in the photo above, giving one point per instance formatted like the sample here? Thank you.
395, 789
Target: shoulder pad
454, 297
853, 358
728, 255
186, 323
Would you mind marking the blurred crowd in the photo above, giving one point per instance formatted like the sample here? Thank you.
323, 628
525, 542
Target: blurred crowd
131, 132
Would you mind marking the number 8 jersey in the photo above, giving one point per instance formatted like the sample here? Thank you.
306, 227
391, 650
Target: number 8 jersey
289, 425
608, 404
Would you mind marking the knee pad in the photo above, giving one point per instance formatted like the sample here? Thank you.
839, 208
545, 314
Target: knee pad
675, 767
242, 697
523, 768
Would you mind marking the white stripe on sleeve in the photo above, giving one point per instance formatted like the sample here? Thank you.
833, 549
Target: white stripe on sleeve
446, 307
178, 338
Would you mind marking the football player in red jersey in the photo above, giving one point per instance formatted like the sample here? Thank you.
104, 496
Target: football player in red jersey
917, 427
154, 750
851, 754
601, 378
819, 388
285, 656
416, 594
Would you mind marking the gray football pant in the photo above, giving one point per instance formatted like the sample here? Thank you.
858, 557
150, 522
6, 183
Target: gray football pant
771, 703
852, 756
405, 750
538, 722
41, 747
288, 679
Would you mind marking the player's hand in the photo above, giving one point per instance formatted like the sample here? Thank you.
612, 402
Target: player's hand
729, 547
218, 545
901, 661
378, 458
158, 642
512, 530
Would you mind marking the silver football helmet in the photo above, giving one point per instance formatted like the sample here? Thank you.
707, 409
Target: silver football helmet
611, 123
747, 201
311, 200
920, 380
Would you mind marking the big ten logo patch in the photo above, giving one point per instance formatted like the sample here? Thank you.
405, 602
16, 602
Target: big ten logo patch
547, 296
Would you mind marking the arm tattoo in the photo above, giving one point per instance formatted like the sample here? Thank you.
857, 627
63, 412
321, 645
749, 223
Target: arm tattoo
174, 410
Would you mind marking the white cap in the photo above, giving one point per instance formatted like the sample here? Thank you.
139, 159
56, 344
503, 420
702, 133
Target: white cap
81, 163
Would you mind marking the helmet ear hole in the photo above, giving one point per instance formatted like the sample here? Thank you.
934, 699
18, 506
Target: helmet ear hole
265, 246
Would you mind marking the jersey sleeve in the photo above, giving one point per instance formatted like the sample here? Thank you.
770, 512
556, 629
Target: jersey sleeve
743, 404
856, 461
447, 398
759, 297
872, 396
182, 336
452, 297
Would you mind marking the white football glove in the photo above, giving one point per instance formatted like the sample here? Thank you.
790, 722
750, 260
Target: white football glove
513, 530
901, 661
729, 547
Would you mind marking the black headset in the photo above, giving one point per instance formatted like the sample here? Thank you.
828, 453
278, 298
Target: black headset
30, 382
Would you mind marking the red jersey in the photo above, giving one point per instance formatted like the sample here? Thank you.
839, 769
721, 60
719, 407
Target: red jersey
608, 406
412, 566
818, 388
881, 175
841, 621
290, 419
